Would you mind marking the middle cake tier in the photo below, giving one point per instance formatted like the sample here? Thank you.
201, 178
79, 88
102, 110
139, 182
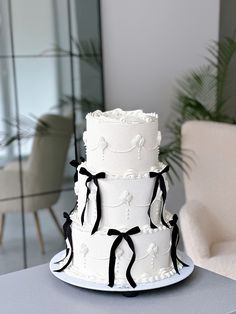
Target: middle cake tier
125, 202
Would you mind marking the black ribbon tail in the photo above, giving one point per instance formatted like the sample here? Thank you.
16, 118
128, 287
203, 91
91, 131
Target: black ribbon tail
152, 200
66, 265
179, 260
112, 260
99, 209
174, 244
94, 178
68, 236
75, 164
86, 201
128, 271
160, 181
82, 159
164, 194
61, 260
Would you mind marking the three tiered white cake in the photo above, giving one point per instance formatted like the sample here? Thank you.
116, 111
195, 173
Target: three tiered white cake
120, 233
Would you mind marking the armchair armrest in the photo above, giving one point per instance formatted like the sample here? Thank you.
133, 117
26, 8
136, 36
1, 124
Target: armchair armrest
197, 237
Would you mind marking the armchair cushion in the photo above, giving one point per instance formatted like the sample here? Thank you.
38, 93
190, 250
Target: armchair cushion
199, 233
195, 226
223, 248
209, 229
223, 261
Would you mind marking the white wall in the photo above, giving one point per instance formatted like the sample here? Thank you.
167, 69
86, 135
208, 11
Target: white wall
147, 45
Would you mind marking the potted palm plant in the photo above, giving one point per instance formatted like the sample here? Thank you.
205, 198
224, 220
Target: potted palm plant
200, 95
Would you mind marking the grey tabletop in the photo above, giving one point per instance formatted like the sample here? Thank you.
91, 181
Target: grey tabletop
37, 291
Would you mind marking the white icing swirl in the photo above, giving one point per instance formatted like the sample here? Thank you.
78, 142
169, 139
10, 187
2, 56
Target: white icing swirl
130, 173
121, 116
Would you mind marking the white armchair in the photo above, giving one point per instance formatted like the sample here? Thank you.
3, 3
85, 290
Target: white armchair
208, 219
42, 173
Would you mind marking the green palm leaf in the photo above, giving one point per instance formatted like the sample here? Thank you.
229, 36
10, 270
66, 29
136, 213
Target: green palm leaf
200, 95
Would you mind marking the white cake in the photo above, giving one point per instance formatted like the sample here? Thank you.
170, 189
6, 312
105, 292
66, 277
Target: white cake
120, 233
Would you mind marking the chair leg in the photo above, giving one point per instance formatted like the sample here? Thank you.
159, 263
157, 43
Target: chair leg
37, 222
2, 227
55, 220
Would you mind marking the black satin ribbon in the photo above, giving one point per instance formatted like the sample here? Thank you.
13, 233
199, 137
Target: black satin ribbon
75, 164
82, 159
174, 243
160, 181
116, 243
67, 235
94, 178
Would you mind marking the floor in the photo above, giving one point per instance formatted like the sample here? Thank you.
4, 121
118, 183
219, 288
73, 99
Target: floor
11, 256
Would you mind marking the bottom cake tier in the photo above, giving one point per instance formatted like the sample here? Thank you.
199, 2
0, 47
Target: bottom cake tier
92, 254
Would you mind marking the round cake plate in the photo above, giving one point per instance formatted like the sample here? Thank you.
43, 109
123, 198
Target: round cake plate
73, 280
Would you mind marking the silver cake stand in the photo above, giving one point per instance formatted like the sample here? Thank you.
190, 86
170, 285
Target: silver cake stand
127, 291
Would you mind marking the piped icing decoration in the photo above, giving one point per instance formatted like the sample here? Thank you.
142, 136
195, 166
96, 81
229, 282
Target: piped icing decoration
92, 195
85, 137
159, 138
120, 116
76, 188
165, 272
84, 251
94, 178
126, 197
132, 173
174, 244
160, 181
119, 253
112, 261
102, 145
152, 251
158, 142
138, 142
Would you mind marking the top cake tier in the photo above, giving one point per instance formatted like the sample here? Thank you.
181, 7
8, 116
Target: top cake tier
122, 142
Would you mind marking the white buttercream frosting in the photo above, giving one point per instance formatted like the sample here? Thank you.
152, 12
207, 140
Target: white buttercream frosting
120, 116
124, 145
118, 140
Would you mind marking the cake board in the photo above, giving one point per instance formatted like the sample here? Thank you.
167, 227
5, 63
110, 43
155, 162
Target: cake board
126, 291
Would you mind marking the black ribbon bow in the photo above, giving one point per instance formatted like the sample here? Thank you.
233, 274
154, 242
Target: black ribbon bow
174, 243
94, 178
160, 181
126, 236
67, 236
75, 164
